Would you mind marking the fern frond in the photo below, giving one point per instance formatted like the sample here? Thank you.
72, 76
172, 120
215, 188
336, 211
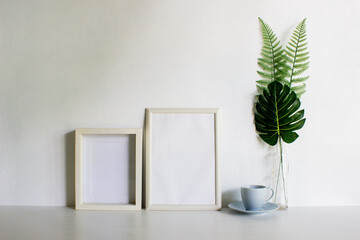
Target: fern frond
266, 75
302, 49
297, 58
302, 45
302, 65
266, 61
260, 88
293, 45
300, 93
299, 89
263, 82
300, 79
303, 59
264, 67
272, 62
299, 72
276, 45
291, 54
300, 55
283, 81
265, 55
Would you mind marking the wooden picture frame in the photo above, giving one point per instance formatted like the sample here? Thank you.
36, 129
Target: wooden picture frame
108, 166
182, 159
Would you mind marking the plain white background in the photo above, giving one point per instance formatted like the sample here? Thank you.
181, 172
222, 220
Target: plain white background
67, 64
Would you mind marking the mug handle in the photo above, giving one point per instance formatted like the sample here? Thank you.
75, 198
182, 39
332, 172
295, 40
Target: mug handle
272, 193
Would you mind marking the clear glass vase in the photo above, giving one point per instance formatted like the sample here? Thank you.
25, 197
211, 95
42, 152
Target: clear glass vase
279, 179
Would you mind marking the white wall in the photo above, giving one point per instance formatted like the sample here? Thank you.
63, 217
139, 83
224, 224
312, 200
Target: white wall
68, 64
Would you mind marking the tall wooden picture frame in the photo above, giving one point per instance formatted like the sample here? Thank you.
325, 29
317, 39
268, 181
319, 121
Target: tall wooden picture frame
182, 159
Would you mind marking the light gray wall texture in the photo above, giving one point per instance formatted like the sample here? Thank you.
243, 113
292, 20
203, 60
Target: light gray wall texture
67, 64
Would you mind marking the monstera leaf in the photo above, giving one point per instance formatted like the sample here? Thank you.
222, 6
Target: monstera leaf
277, 114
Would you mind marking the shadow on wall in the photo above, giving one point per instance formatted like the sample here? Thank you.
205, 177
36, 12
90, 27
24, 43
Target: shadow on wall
70, 168
230, 196
143, 190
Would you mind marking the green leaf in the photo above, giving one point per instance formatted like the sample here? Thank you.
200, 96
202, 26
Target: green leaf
286, 112
269, 115
264, 66
297, 58
300, 93
265, 75
299, 72
299, 55
302, 45
272, 61
266, 51
302, 59
299, 89
263, 82
270, 139
302, 49
293, 45
267, 61
293, 118
291, 55
294, 126
301, 65
287, 101
289, 137
277, 115
300, 79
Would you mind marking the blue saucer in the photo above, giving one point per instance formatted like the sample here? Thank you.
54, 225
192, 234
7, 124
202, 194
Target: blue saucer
266, 208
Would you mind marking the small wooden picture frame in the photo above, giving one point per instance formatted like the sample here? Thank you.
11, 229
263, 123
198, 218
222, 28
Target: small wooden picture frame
182, 159
108, 165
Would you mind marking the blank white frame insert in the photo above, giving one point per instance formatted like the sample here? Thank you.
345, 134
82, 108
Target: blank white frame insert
108, 169
182, 159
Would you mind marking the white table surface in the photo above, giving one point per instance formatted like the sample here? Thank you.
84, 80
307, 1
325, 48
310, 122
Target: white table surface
54, 223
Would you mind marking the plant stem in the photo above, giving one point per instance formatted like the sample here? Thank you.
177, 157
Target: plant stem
283, 173
278, 177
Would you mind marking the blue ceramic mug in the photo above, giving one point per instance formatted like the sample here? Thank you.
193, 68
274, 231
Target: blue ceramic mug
254, 196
